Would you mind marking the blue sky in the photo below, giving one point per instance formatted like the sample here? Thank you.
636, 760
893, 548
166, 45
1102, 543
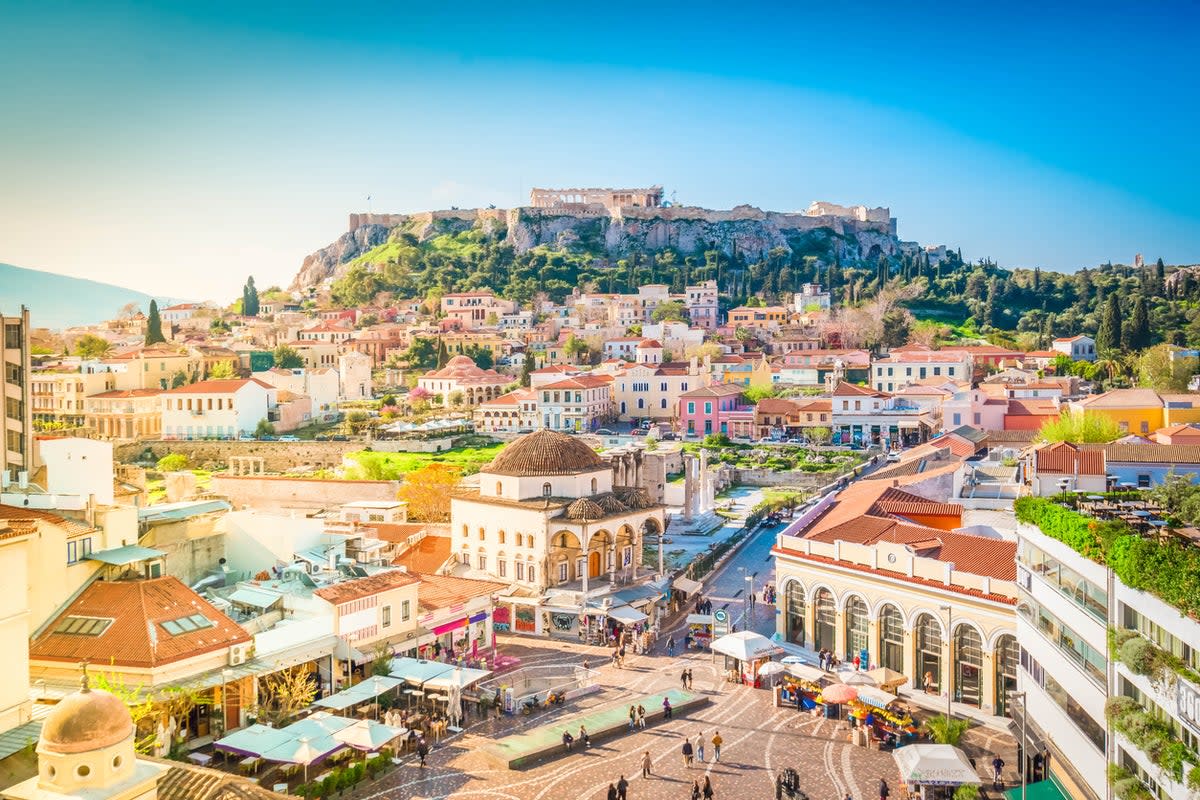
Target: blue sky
176, 148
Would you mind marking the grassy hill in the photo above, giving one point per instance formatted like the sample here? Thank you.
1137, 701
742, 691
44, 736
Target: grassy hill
58, 301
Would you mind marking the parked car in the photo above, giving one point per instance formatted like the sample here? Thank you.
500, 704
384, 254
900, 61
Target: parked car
638, 432
670, 436
289, 438
893, 456
604, 432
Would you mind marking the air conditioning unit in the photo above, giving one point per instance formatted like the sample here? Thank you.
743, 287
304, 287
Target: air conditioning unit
241, 653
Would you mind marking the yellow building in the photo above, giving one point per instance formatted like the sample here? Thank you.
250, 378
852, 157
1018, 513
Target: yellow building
59, 396
124, 414
459, 342
151, 367
751, 374
762, 318
1141, 411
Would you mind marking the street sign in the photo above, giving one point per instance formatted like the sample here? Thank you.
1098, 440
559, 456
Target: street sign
720, 622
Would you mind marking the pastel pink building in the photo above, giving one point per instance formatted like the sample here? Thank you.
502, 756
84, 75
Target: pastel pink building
710, 409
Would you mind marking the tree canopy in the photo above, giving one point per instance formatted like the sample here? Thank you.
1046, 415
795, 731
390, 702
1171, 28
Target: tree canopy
154, 332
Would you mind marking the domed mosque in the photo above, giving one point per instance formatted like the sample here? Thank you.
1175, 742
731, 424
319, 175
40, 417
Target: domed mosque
86, 750
549, 519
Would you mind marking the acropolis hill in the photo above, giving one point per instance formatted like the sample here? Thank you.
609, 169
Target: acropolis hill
615, 222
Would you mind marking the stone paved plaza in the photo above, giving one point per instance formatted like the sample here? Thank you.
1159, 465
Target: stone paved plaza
758, 741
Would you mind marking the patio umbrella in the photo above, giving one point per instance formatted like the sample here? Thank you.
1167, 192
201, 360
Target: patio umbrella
745, 646
838, 693
368, 735
303, 753
859, 679
886, 678
772, 668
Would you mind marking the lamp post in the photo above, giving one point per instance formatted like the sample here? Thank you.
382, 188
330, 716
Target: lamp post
949, 656
749, 597
1022, 752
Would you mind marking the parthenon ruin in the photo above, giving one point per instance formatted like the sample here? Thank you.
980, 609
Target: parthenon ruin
611, 199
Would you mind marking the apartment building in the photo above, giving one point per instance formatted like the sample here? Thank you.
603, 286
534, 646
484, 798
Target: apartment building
16, 451
580, 403
701, 303
59, 396
903, 367
471, 310
221, 409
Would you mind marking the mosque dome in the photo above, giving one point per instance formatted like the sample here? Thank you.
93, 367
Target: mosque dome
90, 719
545, 452
584, 509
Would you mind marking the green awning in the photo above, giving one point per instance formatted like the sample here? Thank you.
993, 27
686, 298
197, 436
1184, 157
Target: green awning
121, 556
1042, 790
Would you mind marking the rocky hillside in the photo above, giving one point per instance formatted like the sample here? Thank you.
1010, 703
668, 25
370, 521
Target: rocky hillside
745, 230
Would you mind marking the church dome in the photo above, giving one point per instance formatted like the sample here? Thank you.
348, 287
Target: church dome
90, 719
584, 509
545, 453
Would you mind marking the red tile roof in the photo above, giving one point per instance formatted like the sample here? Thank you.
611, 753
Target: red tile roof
72, 526
906, 504
580, 382
1067, 459
1027, 407
226, 386
442, 591
844, 389
356, 589
427, 557
117, 394
136, 636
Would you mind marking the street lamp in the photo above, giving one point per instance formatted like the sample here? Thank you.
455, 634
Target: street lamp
1023, 754
950, 656
749, 596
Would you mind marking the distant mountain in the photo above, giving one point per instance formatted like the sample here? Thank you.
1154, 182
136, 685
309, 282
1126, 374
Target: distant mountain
59, 301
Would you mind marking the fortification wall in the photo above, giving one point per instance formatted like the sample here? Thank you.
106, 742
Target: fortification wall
426, 218
273, 493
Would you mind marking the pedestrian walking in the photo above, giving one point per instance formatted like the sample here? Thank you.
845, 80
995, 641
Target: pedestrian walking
632, 717
687, 753
422, 750
646, 764
612, 792
997, 772
666, 708
884, 790
716, 743
568, 740
584, 739
683, 679
695, 790
670, 645
689, 679
707, 791
700, 747
641, 716
622, 788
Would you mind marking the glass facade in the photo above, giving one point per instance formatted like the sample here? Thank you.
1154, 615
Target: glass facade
1092, 662
891, 639
929, 651
1005, 657
1087, 595
825, 622
1134, 621
1092, 730
968, 665
795, 613
856, 628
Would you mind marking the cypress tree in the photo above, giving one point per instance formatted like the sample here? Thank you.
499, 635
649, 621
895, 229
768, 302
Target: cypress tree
1108, 337
154, 333
1137, 332
250, 298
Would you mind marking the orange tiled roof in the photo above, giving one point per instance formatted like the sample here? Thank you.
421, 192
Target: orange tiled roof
136, 637
440, 591
356, 589
428, 556
1062, 457
15, 513
225, 386
905, 504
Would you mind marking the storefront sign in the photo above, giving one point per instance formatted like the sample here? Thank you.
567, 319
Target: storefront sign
720, 622
1188, 701
450, 626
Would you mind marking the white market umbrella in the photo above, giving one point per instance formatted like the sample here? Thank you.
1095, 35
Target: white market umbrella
368, 735
859, 679
772, 668
745, 646
934, 765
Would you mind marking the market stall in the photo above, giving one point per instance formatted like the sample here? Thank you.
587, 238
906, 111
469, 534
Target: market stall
934, 771
700, 630
881, 717
745, 652
800, 686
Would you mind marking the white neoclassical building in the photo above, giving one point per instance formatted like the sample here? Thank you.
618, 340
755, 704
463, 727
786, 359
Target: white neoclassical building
550, 518
898, 587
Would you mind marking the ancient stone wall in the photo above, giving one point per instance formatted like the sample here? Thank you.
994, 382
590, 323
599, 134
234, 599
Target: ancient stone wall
277, 456
276, 494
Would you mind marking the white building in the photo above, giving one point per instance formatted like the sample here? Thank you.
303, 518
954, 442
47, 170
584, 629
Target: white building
811, 297
476, 309
1061, 629
581, 403
515, 412
221, 409
701, 302
1079, 348
319, 385
902, 368
548, 519
173, 315
354, 375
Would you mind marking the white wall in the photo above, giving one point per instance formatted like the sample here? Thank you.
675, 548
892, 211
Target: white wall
256, 540
79, 466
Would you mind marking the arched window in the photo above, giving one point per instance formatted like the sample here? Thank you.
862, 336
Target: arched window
1005, 656
465, 531
499, 489
891, 638
519, 537
795, 612
856, 629
547, 489
825, 620
968, 665
929, 652
594, 484
500, 535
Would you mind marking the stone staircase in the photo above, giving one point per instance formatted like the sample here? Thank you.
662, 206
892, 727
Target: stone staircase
701, 525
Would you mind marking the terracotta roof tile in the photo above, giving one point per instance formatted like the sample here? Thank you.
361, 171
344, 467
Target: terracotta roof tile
227, 386
138, 609
356, 589
440, 591
1065, 458
1154, 453
72, 526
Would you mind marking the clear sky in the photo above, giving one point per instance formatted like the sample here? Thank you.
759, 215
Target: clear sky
178, 147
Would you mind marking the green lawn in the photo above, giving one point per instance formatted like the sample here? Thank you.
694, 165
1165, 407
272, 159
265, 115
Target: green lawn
389, 466
156, 488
